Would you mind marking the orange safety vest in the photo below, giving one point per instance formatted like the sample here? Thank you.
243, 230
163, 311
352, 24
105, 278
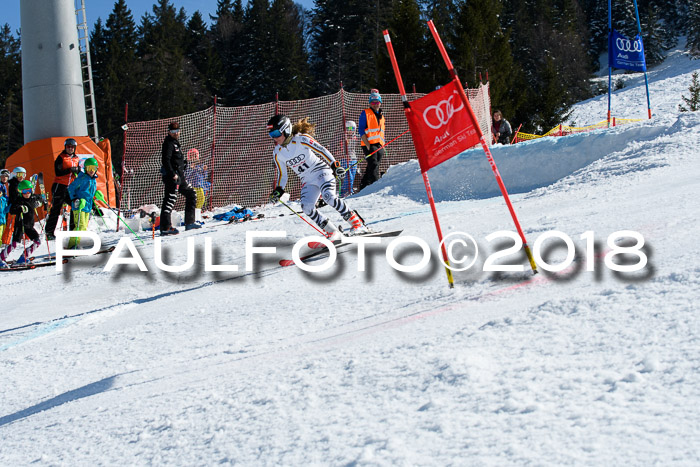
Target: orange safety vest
66, 163
375, 129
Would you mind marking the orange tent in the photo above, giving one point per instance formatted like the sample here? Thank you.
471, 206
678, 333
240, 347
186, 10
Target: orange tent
39, 156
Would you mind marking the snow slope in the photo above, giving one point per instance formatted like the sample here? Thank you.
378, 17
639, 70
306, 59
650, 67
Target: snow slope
285, 367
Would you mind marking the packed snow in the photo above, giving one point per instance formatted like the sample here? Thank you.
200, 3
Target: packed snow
279, 366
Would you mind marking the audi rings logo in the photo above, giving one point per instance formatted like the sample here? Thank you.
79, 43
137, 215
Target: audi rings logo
626, 45
440, 114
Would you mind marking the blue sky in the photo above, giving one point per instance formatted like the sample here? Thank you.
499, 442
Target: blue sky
101, 9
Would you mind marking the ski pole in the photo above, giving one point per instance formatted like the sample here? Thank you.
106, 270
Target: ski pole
46, 235
377, 150
297, 214
101, 198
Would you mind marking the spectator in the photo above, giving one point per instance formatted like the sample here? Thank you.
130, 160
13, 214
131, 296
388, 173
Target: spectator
173, 171
197, 175
66, 167
501, 130
371, 130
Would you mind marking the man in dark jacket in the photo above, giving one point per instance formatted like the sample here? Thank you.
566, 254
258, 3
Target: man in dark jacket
66, 167
173, 170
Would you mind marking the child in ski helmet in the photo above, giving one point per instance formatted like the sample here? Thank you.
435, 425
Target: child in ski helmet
82, 192
296, 148
197, 176
23, 208
4, 180
19, 174
4, 203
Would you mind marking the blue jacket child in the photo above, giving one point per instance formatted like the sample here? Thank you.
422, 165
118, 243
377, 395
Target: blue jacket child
82, 191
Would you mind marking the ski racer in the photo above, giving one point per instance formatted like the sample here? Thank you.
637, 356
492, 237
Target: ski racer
23, 208
81, 192
296, 148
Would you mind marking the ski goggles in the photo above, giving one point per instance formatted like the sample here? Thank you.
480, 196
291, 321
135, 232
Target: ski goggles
27, 191
275, 134
174, 131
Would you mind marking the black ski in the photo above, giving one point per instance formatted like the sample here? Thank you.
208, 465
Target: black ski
106, 250
338, 244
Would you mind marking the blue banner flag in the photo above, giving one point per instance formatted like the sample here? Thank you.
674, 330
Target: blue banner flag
626, 53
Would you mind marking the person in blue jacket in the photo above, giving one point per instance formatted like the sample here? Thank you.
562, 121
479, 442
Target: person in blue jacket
82, 192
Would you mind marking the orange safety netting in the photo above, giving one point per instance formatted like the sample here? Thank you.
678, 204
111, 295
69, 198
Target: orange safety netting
236, 150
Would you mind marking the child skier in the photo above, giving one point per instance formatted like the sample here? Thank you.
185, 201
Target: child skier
12, 194
81, 192
23, 208
4, 202
315, 166
197, 176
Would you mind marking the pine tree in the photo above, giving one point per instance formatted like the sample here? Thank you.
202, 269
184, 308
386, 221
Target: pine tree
227, 33
407, 33
166, 87
255, 86
346, 43
200, 53
114, 65
442, 13
482, 47
288, 66
693, 29
693, 102
11, 125
654, 35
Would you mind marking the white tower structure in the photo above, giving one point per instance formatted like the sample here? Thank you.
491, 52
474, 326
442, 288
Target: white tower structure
52, 83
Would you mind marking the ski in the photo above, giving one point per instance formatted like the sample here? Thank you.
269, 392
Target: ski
26, 267
313, 254
393, 233
338, 244
235, 220
105, 250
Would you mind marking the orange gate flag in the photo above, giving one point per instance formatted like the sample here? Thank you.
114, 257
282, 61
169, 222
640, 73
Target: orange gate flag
441, 126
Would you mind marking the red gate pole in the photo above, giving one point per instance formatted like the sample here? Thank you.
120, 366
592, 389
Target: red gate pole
121, 177
426, 182
213, 147
480, 134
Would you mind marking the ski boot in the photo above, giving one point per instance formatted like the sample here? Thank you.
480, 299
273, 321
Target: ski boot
357, 225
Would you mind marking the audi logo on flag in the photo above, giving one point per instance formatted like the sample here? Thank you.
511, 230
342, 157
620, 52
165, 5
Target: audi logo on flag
626, 45
439, 115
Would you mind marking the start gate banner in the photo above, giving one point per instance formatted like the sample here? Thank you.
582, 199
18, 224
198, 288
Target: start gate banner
441, 126
627, 54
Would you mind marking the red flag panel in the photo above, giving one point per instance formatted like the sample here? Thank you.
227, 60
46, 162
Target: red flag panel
441, 126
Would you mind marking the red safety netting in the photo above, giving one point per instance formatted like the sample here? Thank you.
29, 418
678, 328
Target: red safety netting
235, 148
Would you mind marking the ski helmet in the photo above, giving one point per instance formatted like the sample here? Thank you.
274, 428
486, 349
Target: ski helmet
91, 162
279, 125
4, 172
70, 142
350, 126
193, 154
24, 185
19, 170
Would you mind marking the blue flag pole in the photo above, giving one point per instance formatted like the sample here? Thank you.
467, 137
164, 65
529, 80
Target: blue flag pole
646, 81
610, 51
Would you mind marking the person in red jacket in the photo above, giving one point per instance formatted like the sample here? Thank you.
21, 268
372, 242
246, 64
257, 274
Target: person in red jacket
66, 167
